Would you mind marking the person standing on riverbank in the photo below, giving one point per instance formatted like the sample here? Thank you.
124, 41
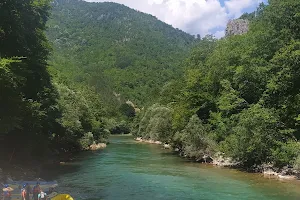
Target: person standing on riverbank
36, 191
7, 192
23, 192
27, 191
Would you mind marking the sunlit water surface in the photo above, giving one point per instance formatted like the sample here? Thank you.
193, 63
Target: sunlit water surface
128, 170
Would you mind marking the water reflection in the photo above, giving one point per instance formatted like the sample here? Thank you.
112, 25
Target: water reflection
129, 170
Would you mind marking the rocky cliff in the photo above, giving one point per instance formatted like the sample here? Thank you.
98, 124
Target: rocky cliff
237, 27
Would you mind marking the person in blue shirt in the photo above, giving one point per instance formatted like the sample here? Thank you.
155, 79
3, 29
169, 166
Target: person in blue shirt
7, 192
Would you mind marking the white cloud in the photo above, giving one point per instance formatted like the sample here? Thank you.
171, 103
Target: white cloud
219, 34
235, 7
193, 16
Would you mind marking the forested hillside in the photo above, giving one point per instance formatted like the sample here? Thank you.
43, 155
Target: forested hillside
119, 51
240, 95
65, 91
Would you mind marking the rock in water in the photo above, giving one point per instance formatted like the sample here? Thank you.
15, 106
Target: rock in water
139, 139
95, 147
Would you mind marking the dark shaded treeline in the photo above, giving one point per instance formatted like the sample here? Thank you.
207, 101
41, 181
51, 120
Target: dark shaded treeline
28, 99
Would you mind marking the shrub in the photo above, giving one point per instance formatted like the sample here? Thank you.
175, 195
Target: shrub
254, 136
86, 141
156, 124
297, 163
195, 139
286, 153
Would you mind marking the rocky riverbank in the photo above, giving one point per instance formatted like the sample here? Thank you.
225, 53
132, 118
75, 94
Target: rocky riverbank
95, 147
285, 173
165, 145
220, 160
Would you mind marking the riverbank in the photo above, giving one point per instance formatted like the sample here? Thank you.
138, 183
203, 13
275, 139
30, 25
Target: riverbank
32, 169
268, 171
165, 145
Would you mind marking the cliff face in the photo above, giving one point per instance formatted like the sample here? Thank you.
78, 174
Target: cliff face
237, 27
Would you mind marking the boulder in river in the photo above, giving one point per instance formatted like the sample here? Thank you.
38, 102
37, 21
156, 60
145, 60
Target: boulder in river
95, 147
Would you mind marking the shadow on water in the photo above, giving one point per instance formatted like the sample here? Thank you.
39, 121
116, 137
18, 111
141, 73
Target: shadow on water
71, 167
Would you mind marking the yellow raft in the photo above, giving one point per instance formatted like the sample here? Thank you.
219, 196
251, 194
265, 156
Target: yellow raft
62, 197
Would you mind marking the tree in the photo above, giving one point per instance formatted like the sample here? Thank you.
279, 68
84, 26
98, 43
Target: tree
156, 124
195, 139
31, 110
255, 136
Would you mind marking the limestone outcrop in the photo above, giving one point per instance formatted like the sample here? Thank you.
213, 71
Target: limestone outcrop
95, 147
237, 27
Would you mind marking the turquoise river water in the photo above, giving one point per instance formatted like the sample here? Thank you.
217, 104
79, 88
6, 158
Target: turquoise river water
128, 170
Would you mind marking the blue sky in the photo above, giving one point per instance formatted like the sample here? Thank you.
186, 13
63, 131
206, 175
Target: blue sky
193, 16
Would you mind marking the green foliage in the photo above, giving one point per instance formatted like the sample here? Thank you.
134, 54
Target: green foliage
11, 101
252, 16
195, 139
127, 110
28, 99
244, 89
283, 89
254, 136
156, 123
116, 50
82, 115
297, 163
240, 94
86, 141
229, 101
286, 153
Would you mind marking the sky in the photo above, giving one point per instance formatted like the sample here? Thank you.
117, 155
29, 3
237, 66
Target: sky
193, 16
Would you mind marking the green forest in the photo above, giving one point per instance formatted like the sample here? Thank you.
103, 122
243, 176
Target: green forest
73, 72
239, 95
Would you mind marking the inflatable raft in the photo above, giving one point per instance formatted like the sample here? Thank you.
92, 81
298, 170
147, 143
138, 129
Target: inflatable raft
62, 197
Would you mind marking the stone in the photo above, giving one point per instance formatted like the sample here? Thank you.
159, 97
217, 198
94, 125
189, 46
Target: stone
139, 139
237, 27
95, 147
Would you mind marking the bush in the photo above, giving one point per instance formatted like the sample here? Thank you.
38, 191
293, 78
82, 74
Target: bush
286, 153
86, 141
156, 124
297, 163
255, 135
195, 139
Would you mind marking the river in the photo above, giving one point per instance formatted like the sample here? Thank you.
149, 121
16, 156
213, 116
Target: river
127, 170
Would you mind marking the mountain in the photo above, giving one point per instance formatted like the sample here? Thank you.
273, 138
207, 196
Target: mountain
121, 52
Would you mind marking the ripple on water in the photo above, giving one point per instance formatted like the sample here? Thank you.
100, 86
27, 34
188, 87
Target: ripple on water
133, 171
